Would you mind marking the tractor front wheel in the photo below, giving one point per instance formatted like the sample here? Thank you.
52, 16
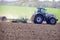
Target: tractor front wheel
52, 21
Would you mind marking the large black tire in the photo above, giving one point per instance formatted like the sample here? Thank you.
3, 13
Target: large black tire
4, 18
38, 19
52, 21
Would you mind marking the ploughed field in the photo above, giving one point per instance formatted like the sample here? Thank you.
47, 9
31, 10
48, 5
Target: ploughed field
29, 31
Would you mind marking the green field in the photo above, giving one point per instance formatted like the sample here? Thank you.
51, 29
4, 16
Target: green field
19, 12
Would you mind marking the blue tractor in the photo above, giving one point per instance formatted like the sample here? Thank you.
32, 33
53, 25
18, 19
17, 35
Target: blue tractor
40, 15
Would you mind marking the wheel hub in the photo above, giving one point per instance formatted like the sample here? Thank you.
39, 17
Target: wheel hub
39, 19
52, 21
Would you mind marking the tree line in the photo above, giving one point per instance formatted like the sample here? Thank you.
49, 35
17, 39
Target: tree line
34, 3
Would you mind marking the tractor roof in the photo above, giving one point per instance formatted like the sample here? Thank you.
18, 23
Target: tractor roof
41, 8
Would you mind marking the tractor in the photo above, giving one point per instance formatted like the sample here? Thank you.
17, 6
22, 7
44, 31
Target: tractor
40, 15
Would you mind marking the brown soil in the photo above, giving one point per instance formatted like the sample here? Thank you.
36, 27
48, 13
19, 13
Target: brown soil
26, 31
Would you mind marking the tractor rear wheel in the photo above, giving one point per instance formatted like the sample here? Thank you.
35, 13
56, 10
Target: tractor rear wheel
38, 19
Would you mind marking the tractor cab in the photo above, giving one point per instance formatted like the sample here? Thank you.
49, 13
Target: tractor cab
41, 10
